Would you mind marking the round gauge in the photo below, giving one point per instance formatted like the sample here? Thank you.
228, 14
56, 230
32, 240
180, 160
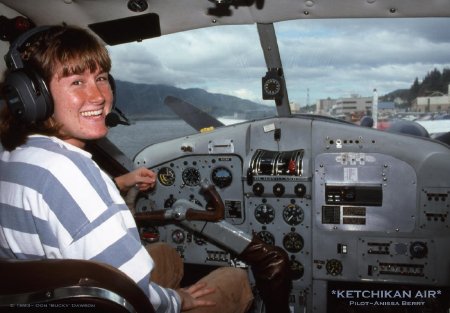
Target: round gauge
293, 242
264, 213
191, 176
221, 177
293, 214
169, 202
297, 269
267, 237
166, 176
334, 267
272, 86
178, 236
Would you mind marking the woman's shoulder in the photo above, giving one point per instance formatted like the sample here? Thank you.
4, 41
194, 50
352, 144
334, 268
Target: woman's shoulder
53, 155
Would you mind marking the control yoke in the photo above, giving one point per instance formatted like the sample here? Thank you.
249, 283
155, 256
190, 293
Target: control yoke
186, 210
270, 264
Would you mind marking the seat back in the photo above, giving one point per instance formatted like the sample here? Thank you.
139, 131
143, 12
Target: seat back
78, 285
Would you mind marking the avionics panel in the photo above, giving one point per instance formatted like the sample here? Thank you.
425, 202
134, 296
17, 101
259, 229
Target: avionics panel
354, 195
359, 192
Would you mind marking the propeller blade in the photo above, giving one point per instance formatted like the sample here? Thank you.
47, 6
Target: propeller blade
192, 115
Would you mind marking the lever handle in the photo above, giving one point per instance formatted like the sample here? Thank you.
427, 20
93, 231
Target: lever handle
214, 212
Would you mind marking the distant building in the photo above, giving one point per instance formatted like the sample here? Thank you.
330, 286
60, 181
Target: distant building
324, 106
436, 102
353, 108
386, 108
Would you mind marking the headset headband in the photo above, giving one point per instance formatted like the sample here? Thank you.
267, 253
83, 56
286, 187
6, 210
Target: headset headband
13, 58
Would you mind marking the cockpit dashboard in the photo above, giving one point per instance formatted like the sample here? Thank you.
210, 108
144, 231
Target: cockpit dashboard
355, 208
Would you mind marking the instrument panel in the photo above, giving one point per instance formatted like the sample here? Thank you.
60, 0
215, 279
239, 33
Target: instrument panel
349, 205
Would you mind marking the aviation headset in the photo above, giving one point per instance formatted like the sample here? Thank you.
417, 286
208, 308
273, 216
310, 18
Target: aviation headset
26, 93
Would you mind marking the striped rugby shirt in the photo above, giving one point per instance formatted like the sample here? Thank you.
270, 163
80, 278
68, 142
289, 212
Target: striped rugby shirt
56, 203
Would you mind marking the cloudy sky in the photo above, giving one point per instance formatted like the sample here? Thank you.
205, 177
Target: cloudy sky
321, 58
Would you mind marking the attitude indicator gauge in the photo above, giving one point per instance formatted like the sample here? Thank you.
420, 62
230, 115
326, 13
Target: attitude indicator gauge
221, 177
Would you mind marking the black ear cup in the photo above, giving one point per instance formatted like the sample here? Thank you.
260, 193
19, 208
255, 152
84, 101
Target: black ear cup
26, 93
27, 96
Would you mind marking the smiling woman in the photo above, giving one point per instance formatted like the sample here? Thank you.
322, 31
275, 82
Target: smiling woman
70, 79
81, 102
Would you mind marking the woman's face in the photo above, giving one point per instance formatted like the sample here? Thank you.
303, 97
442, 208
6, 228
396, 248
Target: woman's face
81, 102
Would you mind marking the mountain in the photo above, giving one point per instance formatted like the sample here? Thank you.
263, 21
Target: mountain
399, 93
147, 101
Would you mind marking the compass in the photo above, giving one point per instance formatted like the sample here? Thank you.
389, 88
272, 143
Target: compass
272, 85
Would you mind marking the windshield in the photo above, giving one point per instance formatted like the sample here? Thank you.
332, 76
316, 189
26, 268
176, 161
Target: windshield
217, 69
339, 68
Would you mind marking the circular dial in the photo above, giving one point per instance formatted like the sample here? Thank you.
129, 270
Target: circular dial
169, 202
334, 267
191, 176
221, 177
267, 237
178, 236
293, 214
297, 269
272, 86
293, 242
264, 213
166, 176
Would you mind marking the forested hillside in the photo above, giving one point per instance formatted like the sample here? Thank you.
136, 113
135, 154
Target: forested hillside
434, 82
147, 101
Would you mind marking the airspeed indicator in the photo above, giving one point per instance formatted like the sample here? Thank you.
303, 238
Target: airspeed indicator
191, 176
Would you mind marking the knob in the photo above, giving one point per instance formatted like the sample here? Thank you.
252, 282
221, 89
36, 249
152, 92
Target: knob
418, 249
258, 189
278, 190
300, 190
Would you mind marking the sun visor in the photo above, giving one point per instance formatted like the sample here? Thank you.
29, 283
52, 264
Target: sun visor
128, 29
